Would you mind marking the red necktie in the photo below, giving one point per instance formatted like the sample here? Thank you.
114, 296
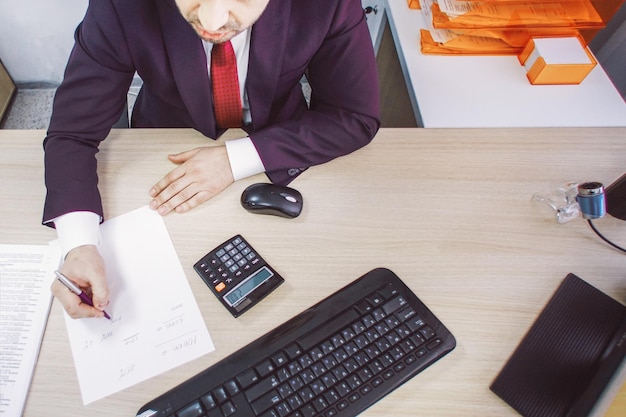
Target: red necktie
226, 96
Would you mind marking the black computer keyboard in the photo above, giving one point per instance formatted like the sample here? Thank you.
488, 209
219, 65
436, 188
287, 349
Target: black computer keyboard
335, 359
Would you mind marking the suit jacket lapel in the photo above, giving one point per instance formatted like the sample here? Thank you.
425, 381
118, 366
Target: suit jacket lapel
267, 49
184, 46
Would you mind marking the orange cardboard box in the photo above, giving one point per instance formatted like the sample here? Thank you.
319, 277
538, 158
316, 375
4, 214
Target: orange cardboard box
562, 60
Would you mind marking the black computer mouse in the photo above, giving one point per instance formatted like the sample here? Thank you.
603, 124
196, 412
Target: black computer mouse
277, 200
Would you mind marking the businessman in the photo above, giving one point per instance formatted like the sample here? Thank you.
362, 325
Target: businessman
180, 48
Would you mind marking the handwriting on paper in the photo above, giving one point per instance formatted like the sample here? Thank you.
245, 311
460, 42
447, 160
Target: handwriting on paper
155, 321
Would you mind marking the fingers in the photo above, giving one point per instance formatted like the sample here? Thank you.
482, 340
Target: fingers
202, 173
99, 294
85, 267
72, 304
172, 185
158, 190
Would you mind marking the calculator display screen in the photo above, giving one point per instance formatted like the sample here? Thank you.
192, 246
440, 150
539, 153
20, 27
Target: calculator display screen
248, 285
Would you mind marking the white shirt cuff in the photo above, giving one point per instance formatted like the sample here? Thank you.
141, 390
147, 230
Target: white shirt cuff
77, 229
244, 158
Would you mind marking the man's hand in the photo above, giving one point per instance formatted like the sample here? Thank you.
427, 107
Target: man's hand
83, 265
201, 174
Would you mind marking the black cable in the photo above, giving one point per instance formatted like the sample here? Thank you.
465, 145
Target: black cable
603, 238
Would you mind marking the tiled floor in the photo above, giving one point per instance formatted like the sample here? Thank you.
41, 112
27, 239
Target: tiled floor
31, 107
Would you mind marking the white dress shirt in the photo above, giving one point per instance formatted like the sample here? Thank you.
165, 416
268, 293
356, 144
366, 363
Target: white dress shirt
82, 228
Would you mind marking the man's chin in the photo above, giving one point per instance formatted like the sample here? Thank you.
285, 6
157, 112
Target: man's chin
216, 37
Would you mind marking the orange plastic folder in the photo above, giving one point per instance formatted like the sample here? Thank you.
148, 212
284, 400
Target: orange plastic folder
466, 45
563, 60
462, 15
479, 41
485, 42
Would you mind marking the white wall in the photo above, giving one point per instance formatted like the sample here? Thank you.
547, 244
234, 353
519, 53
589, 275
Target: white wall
36, 37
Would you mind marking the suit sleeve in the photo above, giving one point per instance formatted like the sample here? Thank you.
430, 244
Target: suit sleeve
344, 111
87, 104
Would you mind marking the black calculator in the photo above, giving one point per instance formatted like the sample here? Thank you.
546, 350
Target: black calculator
237, 275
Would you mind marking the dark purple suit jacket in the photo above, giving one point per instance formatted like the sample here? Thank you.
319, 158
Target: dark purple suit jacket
327, 40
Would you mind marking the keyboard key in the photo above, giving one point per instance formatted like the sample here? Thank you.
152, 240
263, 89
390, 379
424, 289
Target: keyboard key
343, 405
247, 378
331, 396
228, 409
327, 347
375, 299
282, 409
363, 307
295, 402
388, 291
261, 388
308, 411
231, 388
220, 395
434, 344
285, 390
320, 404
192, 410
316, 353
265, 368
343, 389
394, 305
415, 323
378, 314
279, 359
307, 394
427, 332
406, 313
266, 401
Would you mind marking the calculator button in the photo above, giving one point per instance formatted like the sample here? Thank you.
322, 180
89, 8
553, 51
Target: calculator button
220, 287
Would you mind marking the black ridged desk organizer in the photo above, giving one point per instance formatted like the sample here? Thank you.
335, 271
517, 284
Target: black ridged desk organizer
568, 356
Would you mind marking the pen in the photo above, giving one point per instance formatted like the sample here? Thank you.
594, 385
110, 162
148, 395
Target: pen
76, 290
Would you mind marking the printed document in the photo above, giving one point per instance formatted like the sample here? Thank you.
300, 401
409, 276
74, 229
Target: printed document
155, 323
25, 300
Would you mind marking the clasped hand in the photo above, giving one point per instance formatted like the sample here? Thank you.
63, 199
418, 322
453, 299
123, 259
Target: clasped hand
201, 174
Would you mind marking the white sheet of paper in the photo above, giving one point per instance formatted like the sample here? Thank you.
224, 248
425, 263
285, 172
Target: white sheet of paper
25, 301
155, 323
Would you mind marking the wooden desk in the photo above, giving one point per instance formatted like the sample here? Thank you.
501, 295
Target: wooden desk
493, 91
449, 211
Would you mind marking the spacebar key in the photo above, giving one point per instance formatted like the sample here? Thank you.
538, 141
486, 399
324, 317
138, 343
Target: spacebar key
328, 328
